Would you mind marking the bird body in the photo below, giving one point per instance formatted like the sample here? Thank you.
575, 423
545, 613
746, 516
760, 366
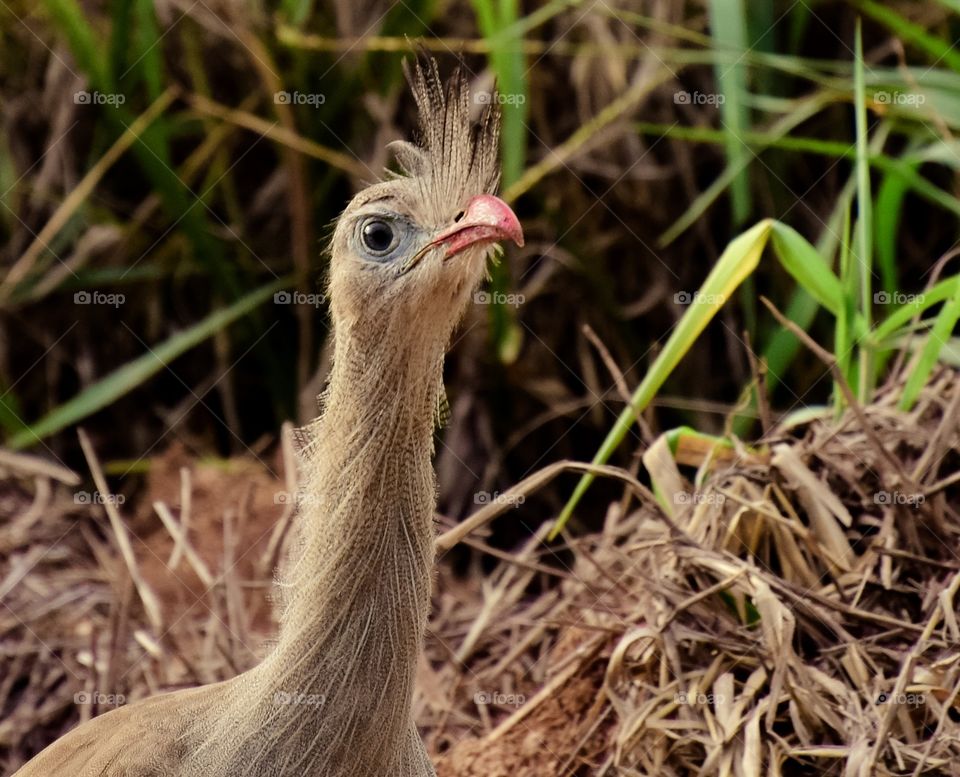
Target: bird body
333, 698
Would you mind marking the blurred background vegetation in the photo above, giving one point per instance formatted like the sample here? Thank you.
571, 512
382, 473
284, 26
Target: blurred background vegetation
168, 167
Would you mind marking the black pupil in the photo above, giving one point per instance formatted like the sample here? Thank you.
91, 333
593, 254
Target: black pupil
378, 235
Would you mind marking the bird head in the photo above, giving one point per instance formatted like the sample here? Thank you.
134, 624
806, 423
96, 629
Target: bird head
411, 250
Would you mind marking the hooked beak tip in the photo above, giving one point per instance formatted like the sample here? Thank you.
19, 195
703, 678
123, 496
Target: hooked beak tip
487, 219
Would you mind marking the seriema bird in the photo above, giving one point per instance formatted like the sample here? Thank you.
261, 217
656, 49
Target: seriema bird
333, 697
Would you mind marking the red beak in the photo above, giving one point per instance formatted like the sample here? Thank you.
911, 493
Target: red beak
487, 219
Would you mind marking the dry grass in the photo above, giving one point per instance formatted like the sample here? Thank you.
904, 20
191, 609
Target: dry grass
781, 616
769, 612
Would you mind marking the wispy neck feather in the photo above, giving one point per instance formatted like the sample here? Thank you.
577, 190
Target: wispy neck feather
360, 577
368, 488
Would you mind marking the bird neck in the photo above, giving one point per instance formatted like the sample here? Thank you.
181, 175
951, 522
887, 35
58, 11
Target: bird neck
368, 490
358, 590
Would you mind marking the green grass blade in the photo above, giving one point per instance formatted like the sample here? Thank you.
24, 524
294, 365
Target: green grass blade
152, 148
843, 338
889, 205
754, 139
783, 345
937, 48
804, 110
864, 230
728, 29
498, 22
904, 313
123, 380
759, 141
296, 12
531, 21
11, 414
942, 330
90, 55
736, 263
147, 54
120, 34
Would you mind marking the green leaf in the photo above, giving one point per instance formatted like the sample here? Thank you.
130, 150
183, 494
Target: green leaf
737, 262
686, 434
807, 266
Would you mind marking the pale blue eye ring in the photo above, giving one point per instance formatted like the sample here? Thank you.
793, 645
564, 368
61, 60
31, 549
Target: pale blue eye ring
383, 237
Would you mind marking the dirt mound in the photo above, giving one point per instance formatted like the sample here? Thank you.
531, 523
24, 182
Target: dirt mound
228, 510
76, 636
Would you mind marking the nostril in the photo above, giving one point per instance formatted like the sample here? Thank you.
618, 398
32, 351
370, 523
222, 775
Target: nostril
459, 216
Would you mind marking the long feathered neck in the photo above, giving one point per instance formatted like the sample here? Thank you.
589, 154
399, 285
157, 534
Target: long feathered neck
358, 589
368, 487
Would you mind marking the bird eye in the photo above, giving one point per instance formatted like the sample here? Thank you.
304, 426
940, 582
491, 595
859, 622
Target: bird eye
379, 237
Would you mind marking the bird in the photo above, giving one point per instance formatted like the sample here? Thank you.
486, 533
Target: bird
333, 697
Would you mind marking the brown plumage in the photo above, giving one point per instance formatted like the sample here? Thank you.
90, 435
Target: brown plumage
333, 697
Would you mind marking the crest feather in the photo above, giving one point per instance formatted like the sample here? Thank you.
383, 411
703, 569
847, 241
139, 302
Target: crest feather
456, 158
